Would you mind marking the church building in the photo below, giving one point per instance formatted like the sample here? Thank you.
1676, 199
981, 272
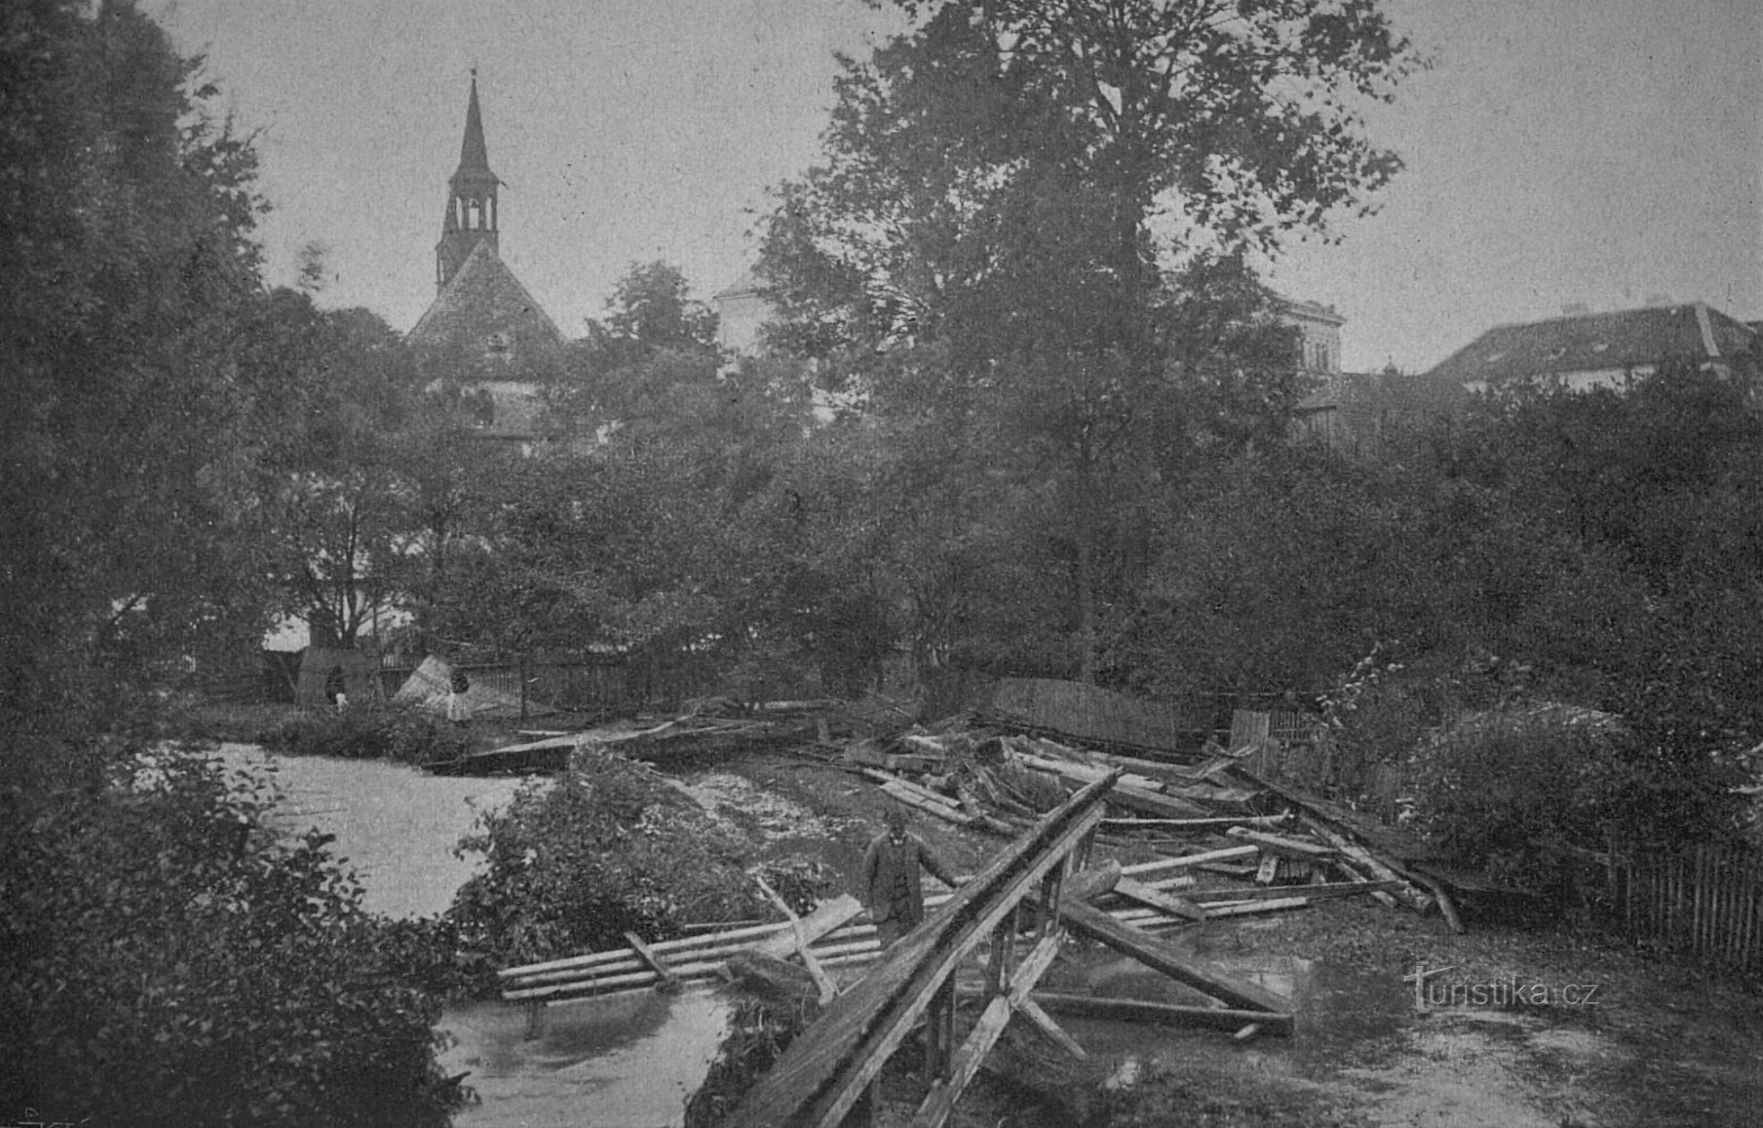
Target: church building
481, 313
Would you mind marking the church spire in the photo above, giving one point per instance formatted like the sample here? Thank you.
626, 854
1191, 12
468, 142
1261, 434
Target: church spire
471, 216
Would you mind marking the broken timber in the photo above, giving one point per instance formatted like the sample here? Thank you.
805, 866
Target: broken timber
1154, 953
824, 1072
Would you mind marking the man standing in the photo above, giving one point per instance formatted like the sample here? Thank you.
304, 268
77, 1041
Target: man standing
892, 887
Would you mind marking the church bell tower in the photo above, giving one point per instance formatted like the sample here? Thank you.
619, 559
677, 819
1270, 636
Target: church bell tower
471, 199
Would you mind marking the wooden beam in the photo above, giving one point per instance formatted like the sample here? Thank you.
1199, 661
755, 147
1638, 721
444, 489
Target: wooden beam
1164, 1014
1322, 892
944, 1092
1448, 909
1043, 1021
1089, 921
1142, 799
1281, 844
1262, 821
825, 918
884, 778
1134, 890
1254, 908
930, 807
669, 981
822, 981
1143, 868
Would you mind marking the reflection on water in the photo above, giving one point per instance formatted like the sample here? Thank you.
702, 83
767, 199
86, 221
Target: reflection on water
1343, 1014
396, 826
625, 1062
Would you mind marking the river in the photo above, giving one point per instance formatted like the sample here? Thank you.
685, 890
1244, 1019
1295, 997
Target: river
628, 1062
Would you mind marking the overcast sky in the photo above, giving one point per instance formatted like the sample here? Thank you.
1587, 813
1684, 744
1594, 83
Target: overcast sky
1559, 151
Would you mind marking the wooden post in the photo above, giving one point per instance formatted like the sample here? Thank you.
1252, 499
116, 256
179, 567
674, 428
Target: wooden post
535, 1020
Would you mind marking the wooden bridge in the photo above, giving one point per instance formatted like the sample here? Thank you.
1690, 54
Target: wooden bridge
825, 1072
1013, 917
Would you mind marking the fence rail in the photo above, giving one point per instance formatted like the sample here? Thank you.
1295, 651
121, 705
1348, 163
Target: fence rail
576, 686
1706, 901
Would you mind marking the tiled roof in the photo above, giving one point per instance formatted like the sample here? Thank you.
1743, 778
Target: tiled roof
1595, 342
483, 299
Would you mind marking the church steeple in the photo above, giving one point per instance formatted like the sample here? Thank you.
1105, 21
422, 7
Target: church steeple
471, 199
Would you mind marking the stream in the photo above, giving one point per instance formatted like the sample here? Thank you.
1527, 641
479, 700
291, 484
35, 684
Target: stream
628, 1062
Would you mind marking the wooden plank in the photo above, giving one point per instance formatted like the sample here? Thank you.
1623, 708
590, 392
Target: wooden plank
1210, 823
1444, 901
1407, 892
822, 982
1140, 799
824, 919
1325, 891
643, 951
1283, 844
824, 1072
1032, 1011
1154, 953
1255, 908
1164, 902
920, 790
938, 810
1143, 868
1164, 1014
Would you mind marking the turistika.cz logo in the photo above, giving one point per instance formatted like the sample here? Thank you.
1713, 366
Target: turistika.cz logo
1431, 993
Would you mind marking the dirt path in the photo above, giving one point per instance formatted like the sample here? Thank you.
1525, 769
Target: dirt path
1571, 1032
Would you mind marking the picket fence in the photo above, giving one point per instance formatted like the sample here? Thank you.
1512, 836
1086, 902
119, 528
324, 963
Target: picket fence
1705, 901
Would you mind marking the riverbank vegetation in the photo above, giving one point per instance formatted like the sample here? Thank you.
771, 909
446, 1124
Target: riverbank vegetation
172, 959
370, 731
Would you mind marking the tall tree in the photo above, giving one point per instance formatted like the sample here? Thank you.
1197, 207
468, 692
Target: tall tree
1022, 185
131, 508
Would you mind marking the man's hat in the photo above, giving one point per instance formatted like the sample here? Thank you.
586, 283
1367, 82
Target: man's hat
895, 817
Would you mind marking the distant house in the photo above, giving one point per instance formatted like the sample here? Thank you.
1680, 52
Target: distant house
1319, 333
742, 309
1583, 351
1355, 412
481, 312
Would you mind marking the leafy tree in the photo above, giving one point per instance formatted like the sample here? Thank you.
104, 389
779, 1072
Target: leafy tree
344, 542
651, 310
134, 531
993, 189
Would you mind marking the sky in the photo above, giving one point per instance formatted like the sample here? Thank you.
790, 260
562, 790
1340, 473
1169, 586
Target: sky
1603, 153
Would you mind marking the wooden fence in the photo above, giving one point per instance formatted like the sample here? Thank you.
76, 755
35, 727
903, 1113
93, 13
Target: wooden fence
585, 686
1705, 901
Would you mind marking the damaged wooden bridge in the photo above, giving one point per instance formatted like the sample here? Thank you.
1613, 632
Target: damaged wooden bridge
1021, 897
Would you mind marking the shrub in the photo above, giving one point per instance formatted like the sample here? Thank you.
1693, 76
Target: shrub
1508, 787
174, 961
607, 849
371, 733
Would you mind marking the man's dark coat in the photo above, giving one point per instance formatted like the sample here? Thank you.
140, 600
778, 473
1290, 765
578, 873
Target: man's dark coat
884, 862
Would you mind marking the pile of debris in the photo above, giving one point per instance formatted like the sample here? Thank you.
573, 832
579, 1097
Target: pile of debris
1281, 849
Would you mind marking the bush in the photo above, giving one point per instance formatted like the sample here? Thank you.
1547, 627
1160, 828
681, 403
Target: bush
372, 733
1508, 787
607, 849
174, 961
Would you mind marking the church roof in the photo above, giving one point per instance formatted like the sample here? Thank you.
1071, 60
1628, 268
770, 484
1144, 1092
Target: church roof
482, 299
474, 152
